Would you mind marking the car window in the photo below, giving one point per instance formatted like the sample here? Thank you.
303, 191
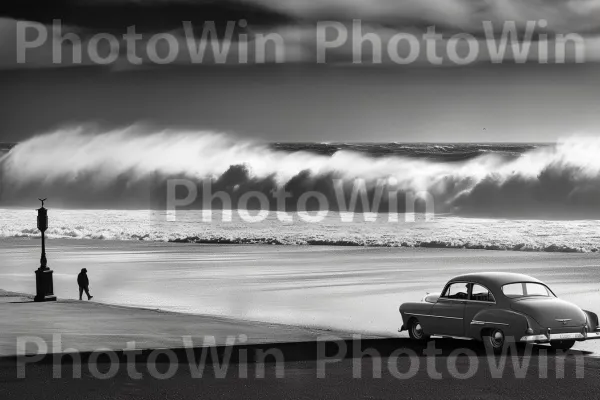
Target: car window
535, 289
513, 290
458, 290
480, 293
526, 289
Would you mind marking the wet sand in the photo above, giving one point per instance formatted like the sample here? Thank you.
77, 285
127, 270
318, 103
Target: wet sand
343, 288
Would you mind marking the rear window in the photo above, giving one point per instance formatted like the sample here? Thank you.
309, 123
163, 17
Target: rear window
481, 293
526, 289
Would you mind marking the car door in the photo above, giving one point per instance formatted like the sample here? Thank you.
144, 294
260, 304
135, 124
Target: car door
480, 298
447, 314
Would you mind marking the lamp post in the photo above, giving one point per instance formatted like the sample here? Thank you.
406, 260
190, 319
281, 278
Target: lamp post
43, 275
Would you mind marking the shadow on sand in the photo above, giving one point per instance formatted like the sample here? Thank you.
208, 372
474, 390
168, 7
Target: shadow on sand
330, 348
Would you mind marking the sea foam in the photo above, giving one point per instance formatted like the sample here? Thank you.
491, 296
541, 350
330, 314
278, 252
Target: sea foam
442, 232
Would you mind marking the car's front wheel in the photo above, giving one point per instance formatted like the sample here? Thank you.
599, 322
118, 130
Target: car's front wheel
415, 330
562, 344
495, 339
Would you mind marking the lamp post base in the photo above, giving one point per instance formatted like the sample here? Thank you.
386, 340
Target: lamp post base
45, 298
44, 285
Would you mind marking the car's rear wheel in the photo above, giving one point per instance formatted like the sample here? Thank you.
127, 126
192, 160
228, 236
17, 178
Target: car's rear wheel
495, 339
415, 330
562, 344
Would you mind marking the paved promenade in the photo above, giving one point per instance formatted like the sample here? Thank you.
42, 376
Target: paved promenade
87, 326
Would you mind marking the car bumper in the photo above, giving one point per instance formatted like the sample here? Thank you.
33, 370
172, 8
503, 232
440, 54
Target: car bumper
580, 336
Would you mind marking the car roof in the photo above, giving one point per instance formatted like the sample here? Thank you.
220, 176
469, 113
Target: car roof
495, 279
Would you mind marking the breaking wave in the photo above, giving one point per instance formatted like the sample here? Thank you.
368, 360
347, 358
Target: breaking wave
443, 232
83, 168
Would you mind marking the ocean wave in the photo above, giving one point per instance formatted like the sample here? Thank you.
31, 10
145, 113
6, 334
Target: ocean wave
441, 232
454, 244
129, 169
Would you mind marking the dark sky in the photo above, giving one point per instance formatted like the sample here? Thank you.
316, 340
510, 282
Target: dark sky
299, 100
313, 103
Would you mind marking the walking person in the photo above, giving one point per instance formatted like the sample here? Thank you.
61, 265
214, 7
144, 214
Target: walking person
84, 283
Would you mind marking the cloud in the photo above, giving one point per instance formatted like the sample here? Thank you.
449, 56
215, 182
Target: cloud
292, 20
163, 15
584, 7
282, 44
148, 16
562, 16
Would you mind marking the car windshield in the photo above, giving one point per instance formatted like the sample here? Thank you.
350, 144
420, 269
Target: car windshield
522, 289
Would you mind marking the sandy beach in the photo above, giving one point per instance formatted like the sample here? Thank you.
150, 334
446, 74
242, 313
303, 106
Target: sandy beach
352, 288
348, 289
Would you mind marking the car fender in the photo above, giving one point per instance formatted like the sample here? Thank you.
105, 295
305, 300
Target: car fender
512, 323
417, 310
592, 320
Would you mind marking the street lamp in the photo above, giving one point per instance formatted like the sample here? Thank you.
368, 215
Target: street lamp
43, 275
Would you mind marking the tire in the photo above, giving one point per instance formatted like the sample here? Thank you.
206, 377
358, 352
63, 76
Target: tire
415, 331
495, 339
562, 344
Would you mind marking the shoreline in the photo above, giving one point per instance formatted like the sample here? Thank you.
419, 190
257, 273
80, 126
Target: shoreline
520, 248
444, 231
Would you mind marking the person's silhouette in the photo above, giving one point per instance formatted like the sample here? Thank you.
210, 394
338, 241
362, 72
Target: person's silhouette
84, 283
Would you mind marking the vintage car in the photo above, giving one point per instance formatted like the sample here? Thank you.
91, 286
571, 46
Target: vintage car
495, 306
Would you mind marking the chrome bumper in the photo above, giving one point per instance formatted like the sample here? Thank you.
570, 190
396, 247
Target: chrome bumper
561, 336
